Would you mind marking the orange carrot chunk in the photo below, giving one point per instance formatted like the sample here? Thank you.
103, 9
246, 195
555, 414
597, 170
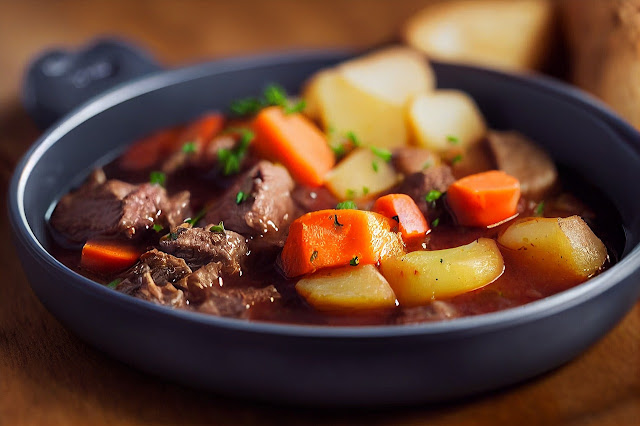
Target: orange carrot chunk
329, 238
148, 151
108, 256
295, 142
484, 199
400, 207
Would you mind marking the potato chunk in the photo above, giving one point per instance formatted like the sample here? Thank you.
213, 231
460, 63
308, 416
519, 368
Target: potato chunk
421, 276
368, 95
562, 248
438, 118
346, 288
362, 173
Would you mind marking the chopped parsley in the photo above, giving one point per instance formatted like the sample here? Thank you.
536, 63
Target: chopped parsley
219, 228
456, 159
539, 210
355, 261
453, 140
353, 138
339, 150
114, 283
426, 165
230, 159
314, 256
157, 227
435, 222
241, 196
335, 220
275, 95
157, 178
347, 205
384, 154
365, 190
432, 196
246, 106
189, 147
192, 221
351, 193
374, 164
272, 95
297, 107
173, 236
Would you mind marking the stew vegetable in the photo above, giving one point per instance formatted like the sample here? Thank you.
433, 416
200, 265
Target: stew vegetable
374, 199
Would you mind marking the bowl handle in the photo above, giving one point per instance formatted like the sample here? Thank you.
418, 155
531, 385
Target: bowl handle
59, 80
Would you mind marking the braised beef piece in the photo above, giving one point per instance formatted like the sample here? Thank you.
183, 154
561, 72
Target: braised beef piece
310, 199
259, 203
437, 310
235, 302
153, 276
102, 207
206, 159
418, 185
175, 210
196, 283
200, 246
410, 159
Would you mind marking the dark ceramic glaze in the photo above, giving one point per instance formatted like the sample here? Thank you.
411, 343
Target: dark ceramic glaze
330, 365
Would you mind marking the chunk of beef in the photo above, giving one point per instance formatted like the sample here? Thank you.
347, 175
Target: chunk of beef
437, 310
521, 158
153, 276
196, 283
235, 302
200, 246
176, 209
103, 207
268, 208
205, 158
410, 159
418, 185
310, 199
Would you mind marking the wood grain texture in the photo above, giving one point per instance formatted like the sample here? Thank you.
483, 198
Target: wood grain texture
48, 376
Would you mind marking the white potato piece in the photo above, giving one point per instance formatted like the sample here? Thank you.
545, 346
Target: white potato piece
360, 174
422, 276
438, 117
347, 288
561, 248
368, 95
504, 34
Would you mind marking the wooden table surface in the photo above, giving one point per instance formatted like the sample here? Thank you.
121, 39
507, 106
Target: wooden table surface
49, 376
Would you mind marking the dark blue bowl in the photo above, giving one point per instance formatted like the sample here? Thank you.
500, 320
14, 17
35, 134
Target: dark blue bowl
330, 365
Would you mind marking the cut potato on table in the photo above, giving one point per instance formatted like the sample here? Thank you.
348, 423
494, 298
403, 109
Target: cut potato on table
445, 119
361, 174
347, 288
503, 34
562, 248
368, 95
421, 276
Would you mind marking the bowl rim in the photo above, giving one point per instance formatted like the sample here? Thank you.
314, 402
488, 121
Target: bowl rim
628, 264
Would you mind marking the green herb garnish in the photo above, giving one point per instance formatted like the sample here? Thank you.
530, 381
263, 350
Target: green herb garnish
219, 228
173, 236
453, 140
157, 178
230, 159
347, 205
272, 95
435, 222
246, 106
192, 221
351, 193
355, 261
189, 148
432, 196
297, 107
539, 210
365, 190
456, 159
353, 138
241, 196
374, 164
157, 227
314, 256
114, 283
426, 165
384, 154
275, 95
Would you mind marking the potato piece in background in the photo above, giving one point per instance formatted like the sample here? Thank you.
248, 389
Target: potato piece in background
347, 288
422, 276
360, 174
523, 159
367, 95
511, 34
561, 248
446, 119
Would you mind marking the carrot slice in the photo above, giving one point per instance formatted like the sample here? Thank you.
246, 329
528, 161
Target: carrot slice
148, 151
294, 141
328, 238
412, 224
200, 132
484, 199
108, 256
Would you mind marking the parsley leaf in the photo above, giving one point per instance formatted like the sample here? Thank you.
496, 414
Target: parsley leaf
365, 190
297, 107
189, 147
374, 164
384, 154
246, 106
219, 228
157, 178
241, 196
230, 159
432, 196
353, 138
435, 222
275, 95
355, 261
114, 283
347, 205
453, 140
456, 159
539, 211
192, 221
157, 227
